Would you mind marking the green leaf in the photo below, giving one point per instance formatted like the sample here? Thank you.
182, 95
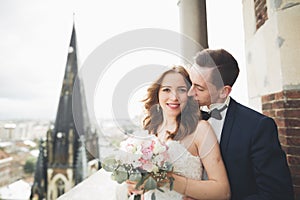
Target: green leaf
141, 182
153, 196
137, 197
168, 166
109, 164
120, 175
135, 176
171, 179
150, 184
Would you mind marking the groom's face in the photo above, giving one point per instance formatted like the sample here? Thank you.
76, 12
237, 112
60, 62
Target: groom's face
203, 90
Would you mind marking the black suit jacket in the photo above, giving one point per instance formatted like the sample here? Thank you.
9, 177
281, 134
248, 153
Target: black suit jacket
256, 165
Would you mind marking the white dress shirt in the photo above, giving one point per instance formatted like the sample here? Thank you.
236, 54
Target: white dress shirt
216, 124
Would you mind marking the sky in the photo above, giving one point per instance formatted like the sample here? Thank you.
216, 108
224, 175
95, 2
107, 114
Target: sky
35, 35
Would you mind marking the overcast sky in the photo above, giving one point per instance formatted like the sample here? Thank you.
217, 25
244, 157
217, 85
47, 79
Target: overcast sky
34, 39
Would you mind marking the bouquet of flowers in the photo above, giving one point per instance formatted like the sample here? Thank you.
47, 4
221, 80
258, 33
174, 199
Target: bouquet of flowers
143, 160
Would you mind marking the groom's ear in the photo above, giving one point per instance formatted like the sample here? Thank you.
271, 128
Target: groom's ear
225, 91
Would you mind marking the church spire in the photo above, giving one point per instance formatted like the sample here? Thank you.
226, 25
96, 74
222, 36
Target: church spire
64, 123
66, 156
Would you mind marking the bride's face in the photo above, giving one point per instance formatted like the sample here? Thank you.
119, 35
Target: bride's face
172, 94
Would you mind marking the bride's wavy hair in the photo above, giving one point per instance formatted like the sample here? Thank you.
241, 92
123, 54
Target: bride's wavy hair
187, 120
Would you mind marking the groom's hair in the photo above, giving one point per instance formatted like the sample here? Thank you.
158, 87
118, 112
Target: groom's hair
222, 63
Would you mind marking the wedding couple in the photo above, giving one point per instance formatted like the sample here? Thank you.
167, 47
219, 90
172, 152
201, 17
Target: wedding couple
249, 163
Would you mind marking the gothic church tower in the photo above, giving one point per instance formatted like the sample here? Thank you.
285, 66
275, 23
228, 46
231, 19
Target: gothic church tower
67, 160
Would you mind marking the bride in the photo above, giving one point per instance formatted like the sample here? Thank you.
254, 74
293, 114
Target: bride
174, 118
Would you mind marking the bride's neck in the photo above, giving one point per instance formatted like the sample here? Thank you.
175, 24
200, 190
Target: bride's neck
168, 125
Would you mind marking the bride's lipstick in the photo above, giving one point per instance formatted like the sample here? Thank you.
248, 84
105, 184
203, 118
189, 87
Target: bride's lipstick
173, 105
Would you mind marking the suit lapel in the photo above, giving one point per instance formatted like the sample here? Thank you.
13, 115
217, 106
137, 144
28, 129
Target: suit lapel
227, 127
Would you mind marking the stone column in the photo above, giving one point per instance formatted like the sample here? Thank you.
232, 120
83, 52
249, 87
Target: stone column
193, 24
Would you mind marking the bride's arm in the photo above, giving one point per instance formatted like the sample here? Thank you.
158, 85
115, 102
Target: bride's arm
217, 185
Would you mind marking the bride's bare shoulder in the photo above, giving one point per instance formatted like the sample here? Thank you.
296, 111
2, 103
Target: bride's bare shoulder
203, 128
203, 124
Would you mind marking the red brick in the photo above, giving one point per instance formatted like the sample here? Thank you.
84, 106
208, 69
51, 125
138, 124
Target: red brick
293, 141
292, 122
295, 170
279, 112
289, 131
286, 149
280, 122
282, 131
292, 104
292, 113
259, 5
292, 94
268, 98
270, 113
261, 14
293, 160
291, 150
278, 104
279, 95
267, 106
282, 140
289, 123
293, 131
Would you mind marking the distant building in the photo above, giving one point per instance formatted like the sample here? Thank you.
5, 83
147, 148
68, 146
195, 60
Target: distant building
19, 130
5, 167
63, 160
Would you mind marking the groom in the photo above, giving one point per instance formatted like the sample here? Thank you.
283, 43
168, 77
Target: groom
256, 165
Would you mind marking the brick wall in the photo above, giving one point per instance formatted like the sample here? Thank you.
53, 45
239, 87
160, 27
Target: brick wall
284, 108
261, 14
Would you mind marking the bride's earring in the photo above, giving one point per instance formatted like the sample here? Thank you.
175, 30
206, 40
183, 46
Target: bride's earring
157, 108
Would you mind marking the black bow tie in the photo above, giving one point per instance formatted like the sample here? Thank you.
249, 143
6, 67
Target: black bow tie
214, 113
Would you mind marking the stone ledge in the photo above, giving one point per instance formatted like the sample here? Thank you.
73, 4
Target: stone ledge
97, 186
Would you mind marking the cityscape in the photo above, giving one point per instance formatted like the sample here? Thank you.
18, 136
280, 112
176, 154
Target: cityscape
19, 149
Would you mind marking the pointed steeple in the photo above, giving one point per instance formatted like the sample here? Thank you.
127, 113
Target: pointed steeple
72, 96
65, 153
64, 117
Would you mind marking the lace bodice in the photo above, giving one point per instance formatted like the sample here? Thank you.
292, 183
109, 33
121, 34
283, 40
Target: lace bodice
185, 164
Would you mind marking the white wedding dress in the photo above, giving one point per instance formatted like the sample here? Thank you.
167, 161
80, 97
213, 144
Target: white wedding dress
101, 186
185, 164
